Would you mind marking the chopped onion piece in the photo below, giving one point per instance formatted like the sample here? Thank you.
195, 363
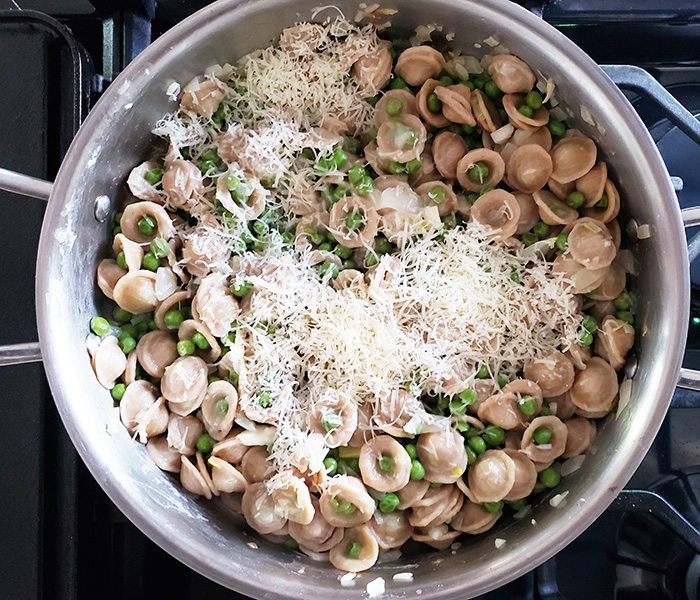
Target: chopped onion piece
166, 283
262, 436
173, 91
406, 577
626, 260
503, 134
587, 116
625, 395
522, 512
389, 556
558, 500
498, 542
572, 464
544, 446
558, 114
375, 587
348, 579
491, 41
644, 232
245, 422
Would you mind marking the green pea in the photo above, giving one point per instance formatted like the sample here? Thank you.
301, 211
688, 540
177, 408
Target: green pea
233, 378
365, 186
100, 326
185, 153
446, 80
394, 106
357, 174
150, 262
265, 399
221, 405
383, 246
527, 405
121, 261
127, 344
326, 246
159, 247
389, 503
349, 264
118, 391
589, 323
477, 444
493, 435
213, 379
458, 407
479, 81
371, 259
373, 100
625, 316
210, 155
260, 227
330, 466
173, 318
343, 251
542, 435
219, 116
329, 267
514, 276
471, 455
200, 341
412, 166
492, 90
468, 396
128, 330
354, 220
353, 550
471, 198
623, 301
386, 464
562, 241
185, 347
478, 172
526, 111
469, 84
116, 231
486, 190
549, 477
518, 505
493, 507
434, 104
397, 83
205, 443
541, 230
417, 470
120, 315
323, 166
352, 145
603, 202
412, 451
147, 225
545, 411
395, 168
154, 176
342, 506
233, 183
241, 287
584, 337
483, 372
528, 238
575, 199
467, 129
556, 128
339, 157
437, 194
502, 380
462, 427
533, 99
331, 421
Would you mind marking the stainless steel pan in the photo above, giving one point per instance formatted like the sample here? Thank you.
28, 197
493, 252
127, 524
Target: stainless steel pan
203, 534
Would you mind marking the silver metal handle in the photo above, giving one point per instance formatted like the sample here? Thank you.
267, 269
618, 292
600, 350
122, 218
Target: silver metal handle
25, 185
17, 354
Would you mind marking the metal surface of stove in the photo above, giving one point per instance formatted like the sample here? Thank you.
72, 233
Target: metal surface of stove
64, 539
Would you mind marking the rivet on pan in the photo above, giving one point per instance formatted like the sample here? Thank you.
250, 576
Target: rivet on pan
630, 367
632, 228
102, 206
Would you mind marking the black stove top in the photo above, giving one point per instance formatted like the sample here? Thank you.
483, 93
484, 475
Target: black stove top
64, 539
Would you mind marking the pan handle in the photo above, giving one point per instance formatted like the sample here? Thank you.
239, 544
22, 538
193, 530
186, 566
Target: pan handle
17, 354
25, 185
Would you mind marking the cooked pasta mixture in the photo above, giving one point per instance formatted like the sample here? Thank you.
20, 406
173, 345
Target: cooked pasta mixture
374, 288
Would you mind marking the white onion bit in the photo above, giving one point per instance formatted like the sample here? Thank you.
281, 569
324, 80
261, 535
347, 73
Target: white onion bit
572, 465
166, 283
559, 501
348, 580
375, 587
403, 577
498, 542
